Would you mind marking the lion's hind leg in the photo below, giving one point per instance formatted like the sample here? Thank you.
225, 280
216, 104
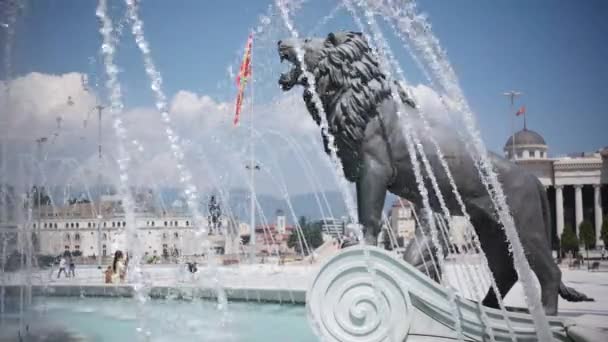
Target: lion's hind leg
493, 243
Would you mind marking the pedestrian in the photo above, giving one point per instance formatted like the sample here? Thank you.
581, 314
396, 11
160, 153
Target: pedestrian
54, 264
72, 272
108, 275
118, 268
603, 252
62, 264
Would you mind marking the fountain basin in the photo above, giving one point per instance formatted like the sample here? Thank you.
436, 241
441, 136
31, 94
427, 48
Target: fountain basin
117, 319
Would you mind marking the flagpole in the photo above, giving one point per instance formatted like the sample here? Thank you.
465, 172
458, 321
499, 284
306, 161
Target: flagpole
512, 94
252, 238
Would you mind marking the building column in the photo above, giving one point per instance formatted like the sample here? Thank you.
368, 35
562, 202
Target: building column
597, 208
559, 210
578, 206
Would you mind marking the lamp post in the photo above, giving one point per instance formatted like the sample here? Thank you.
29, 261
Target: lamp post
99, 217
252, 167
512, 94
99, 109
39, 142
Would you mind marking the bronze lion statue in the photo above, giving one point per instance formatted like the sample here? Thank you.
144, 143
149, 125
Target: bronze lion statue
362, 116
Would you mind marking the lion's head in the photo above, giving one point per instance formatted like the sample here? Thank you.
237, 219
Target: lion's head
349, 83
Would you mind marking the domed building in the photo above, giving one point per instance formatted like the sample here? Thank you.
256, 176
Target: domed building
576, 183
526, 144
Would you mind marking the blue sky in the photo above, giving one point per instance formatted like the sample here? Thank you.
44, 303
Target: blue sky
554, 51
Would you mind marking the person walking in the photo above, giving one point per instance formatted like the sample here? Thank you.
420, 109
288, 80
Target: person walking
62, 264
54, 264
72, 272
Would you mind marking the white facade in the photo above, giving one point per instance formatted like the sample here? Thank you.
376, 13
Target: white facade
333, 227
402, 220
170, 235
568, 179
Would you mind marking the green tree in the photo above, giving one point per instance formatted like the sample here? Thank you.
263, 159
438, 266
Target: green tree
314, 235
569, 241
604, 232
310, 235
587, 236
302, 222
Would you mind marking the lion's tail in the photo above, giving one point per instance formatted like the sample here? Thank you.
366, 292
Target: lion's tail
572, 295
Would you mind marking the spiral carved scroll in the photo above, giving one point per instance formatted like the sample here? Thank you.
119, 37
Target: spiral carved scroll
357, 295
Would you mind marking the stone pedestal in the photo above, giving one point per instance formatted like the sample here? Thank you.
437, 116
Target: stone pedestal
368, 294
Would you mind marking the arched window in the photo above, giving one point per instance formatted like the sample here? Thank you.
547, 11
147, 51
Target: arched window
77, 225
153, 223
67, 237
77, 237
34, 225
175, 223
67, 225
113, 224
71, 225
165, 223
55, 225
176, 235
104, 250
124, 223
187, 223
104, 224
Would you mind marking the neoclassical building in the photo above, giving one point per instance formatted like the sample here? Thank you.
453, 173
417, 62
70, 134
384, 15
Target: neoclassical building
577, 184
99, 230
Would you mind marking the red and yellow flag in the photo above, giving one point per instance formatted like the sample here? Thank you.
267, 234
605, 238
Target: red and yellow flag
242, 78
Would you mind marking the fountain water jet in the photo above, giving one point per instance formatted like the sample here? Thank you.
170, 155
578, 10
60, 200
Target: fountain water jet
191, 191
419, 34
116, 107
343, 185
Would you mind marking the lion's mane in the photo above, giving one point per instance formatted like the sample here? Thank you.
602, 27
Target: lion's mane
351, 86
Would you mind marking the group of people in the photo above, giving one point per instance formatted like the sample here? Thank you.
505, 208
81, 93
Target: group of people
66, 266
116, 273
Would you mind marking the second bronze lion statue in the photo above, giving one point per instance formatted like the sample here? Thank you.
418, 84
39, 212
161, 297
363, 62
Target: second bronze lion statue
362, 117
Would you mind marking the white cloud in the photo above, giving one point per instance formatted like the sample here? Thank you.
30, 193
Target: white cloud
36, 101
203, 123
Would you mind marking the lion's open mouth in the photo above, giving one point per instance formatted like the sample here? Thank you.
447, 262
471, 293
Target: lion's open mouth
289, 79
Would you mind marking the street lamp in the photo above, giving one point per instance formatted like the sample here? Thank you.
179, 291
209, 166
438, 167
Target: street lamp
40, 141
252, 167
99, 217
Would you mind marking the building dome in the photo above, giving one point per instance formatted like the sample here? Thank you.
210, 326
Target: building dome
525, 137
526, 145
